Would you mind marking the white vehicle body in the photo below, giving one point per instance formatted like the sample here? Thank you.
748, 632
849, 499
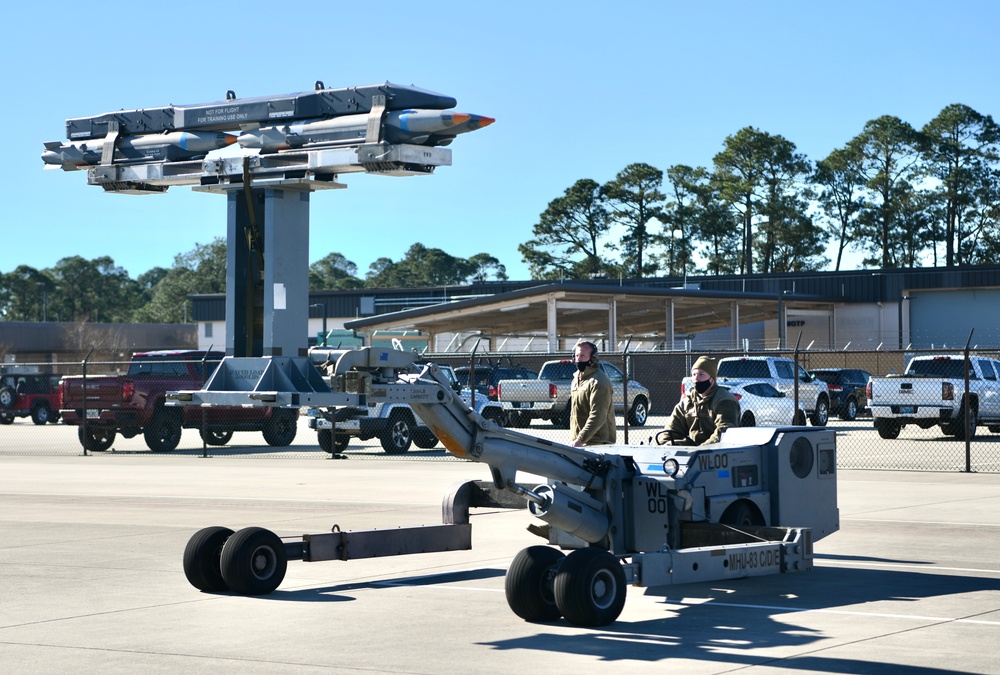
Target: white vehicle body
780, 372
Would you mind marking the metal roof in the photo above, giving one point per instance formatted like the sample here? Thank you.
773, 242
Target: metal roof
587, 309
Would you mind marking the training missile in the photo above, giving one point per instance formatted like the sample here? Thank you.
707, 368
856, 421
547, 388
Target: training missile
170, 147
235, 113
415, 127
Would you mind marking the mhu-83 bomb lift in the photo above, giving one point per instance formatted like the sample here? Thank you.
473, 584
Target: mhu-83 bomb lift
643, 515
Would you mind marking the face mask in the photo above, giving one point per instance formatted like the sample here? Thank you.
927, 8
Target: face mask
581, 365
701, 386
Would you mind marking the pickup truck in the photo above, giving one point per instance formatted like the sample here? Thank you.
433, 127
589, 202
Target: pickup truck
931, 392
29, 394
394, 424
780, 371
548, 396
134, 404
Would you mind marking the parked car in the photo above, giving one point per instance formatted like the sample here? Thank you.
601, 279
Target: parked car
847, 390
761, 404
29, 395
782, 373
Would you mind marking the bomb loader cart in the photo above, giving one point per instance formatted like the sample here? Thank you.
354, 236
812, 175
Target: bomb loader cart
642, 515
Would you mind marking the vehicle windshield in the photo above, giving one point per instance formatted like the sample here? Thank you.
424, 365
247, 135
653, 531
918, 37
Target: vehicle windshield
558, 370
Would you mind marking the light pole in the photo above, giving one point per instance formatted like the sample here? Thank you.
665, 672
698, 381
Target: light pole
323, 305
45, 309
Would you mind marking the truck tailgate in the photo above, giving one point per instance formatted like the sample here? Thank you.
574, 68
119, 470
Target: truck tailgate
523, 391
102, 390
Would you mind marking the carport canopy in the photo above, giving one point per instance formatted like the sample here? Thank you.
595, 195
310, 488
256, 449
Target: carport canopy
561, 311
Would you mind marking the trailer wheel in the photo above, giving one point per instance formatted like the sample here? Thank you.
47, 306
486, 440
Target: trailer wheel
163, 433
253, 561
590, 587
529, 583
741, 514
398, 438
888, 429
424, 438
280, 429
98, 439
216, 436
328, 444
202, 559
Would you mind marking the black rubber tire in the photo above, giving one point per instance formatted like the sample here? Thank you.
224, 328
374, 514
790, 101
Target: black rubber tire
741, 514
163, 433
639, 412
216, 436
887, 429
330, 446
6, 418
590, 587
399, 436
799, 419
325, 439
561, 421
849, 411
280, 430
424, 438
821, 415
956, 427
8, 397
202, 559
748, 420
494, 415
41, 413
253, 561
99, 439
529, 584
518, 420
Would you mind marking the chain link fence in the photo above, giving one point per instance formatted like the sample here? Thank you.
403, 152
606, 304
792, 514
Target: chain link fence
920, 424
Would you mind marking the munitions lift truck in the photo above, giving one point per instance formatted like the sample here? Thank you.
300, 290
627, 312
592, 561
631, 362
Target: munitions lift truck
645, 515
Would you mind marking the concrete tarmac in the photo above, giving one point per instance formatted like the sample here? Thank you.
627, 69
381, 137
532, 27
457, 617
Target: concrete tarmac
91, 579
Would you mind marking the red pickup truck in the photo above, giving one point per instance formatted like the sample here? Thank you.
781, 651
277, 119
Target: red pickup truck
29, 394
133, 404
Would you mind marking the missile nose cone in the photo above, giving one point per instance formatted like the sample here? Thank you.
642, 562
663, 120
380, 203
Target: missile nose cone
482, 121
460, 118
230, 139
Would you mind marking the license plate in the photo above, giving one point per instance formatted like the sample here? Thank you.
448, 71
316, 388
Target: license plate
522, 404
93, 414
907, 410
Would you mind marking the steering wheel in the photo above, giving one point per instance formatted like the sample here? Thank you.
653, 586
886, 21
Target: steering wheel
668, 435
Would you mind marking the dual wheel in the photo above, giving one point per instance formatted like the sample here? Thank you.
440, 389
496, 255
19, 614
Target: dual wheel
587, 587
251, 561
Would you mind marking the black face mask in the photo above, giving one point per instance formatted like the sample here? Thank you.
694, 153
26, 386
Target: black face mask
582, 365
701, 386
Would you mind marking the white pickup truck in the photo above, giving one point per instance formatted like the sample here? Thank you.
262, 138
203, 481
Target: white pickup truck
548, 397
930, 393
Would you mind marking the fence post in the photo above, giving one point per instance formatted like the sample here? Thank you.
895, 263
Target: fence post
83, 427
625, 386
795, 375
967, 408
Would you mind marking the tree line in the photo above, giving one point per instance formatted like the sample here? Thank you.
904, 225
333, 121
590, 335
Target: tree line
902, 196
98, 290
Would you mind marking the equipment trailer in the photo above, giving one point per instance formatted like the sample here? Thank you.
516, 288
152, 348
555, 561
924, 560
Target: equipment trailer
642, 515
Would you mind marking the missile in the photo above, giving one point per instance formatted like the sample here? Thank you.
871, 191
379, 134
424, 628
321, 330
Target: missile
170, 147
415, 127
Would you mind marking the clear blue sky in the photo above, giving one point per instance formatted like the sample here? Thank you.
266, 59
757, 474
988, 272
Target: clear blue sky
579, 90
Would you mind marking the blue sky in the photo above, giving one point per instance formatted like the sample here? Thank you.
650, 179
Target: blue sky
578, 89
